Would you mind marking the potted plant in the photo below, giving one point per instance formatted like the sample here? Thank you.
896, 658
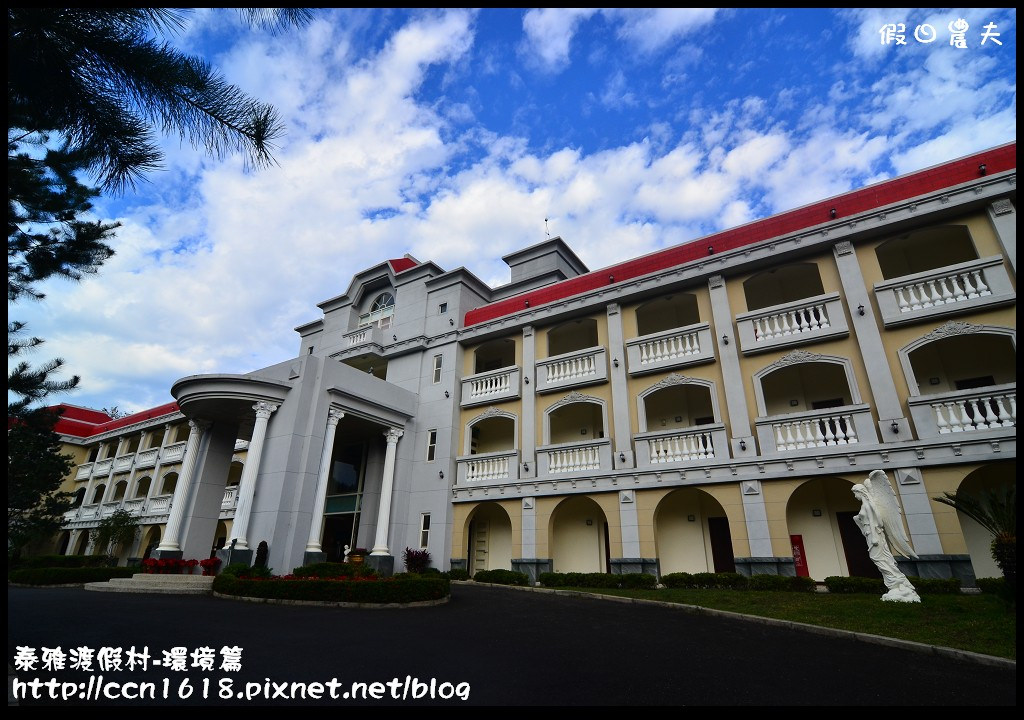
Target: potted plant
210, 565
357, 556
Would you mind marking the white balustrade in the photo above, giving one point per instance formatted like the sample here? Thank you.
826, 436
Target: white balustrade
945, 289
159, 505
494, 468
83, 471
487, 387
358, 337
795, 321
574, 368
574, 459
89, 512
821, 431
682, 447
134, 506
981, 412
147, 458
123, 463
174, 453
673, 347
102, 467
109, 508
230, 499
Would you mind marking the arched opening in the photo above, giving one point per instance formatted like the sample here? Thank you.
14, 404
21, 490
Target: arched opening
142, 487
691, 533
998, 477
678, 406
804, 387
963, 362
579, 536
62, 543
494, 355
79, 497
170, 481
924, 250
489, 533
493, 434
133, 445
150, 541
781, 285
576, 422
120, 488
97, 495
380, 311
82, 543
819, 516
667, 313
572, 336
235, 473
220, 537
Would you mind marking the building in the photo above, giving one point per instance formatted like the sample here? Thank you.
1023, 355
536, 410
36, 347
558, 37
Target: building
706, 407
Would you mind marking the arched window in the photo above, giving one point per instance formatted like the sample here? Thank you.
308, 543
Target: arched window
381, 310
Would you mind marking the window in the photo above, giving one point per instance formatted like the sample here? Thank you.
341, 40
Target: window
442, 309
437, 369
424, 529
381, 310
431, 444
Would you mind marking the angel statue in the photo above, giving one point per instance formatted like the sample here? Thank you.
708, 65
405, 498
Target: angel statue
881, 521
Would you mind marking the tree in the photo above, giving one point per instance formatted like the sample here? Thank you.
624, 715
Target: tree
115, 531
996, 511
35, 468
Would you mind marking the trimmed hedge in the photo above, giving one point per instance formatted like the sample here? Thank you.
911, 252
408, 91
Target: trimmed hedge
331, 570
502, 577
994, 585
597, 580
458, 574
875, 586
935, 586
59, 561
403, 590
783, 583
705, 580
67, 576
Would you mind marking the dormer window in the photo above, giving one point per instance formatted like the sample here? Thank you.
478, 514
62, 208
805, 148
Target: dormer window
381, 311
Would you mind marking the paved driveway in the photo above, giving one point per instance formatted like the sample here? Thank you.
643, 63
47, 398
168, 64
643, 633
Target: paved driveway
512, 648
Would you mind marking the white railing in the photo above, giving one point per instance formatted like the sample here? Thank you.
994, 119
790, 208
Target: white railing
83, 471
565, 458
102, 467
819, 429
683, 447
989, 408
123, 463
230, 498
358, 337
89, 512
159, 505
806, 320
495, 468
135, 507
109, 508
491, 386
174, 453
582, 367
147, 458
951, 289
673, 347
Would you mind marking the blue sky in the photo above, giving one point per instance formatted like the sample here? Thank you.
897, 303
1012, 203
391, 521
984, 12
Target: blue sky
452, 135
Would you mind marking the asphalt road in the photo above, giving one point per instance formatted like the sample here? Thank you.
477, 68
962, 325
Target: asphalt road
511, 648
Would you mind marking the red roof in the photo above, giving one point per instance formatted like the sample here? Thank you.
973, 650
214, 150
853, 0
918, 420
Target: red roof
401, 264
857, 201
84, 423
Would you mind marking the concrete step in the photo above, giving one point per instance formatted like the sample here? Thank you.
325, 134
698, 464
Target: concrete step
156, 584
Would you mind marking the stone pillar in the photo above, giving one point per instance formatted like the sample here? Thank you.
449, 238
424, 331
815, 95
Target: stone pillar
108, 489
756, 518
728, 359
247, 485
380, 543
924, 534
869, 342
169, 542
314, 551
154, 485
622, 456
1004, 221
129, 492
528, 422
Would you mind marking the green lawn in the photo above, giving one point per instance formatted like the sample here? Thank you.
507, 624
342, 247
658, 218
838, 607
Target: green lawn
978, 623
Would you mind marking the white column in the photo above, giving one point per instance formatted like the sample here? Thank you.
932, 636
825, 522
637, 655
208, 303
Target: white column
247, 485
316, 526
169, 542
154, 483
108, 489
380, 543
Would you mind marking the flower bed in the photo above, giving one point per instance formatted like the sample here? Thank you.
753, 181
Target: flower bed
170, 566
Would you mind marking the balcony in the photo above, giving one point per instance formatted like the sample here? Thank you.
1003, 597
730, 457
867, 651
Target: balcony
84, 471
790, 324
147, 458
573, 369
501, 466
159, 505
985, 409
949, 290
102, 467
368, 335
89, 512
575, 458
135, 507
680, 446
230, 500
173, 453
675, 348
108, 508
830, 429
123, 463
491, 387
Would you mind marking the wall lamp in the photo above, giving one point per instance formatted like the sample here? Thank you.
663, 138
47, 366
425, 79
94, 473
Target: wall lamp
711, 249
394, 338
447, 394
611, 278
527, 303
615, 362
895, 427
743, 444
622, 457
982, 169
832, 213
860, 309
725, 339
440, 474
526, 467
526, 381
451, 321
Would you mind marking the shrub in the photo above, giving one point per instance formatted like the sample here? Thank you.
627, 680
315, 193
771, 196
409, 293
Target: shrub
677, 580
458, 574
597, 580
781, 583
262, 553
67, 576
235, 569
994, 585
430, 571
502, 577
369, 590
721, 581
637, 580
935, 586
58, 561
836, 584
416, 561
333, 570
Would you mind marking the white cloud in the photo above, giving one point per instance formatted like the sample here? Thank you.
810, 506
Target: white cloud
549, 32
651, 29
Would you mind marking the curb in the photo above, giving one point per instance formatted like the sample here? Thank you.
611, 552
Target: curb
989, 660
328, 603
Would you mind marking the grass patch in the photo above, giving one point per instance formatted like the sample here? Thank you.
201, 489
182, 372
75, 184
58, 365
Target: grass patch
977, 623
